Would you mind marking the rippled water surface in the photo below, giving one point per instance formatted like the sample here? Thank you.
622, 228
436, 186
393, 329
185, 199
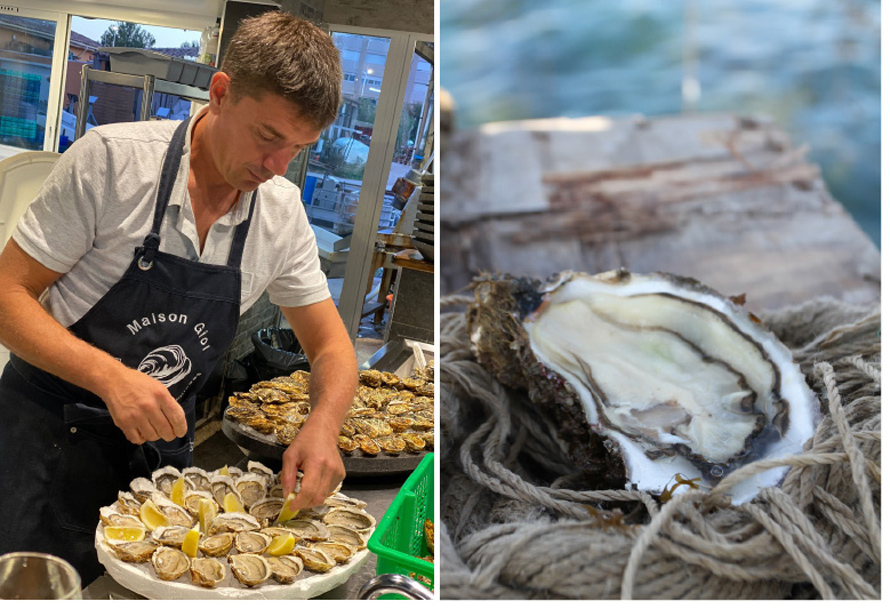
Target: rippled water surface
813, 65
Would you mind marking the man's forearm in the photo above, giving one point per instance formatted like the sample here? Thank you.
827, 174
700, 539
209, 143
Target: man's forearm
27, 330
332, 387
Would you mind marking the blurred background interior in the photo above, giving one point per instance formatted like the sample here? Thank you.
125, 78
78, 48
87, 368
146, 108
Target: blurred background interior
811, 65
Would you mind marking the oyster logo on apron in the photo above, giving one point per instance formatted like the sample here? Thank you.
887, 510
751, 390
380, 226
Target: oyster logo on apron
167, 364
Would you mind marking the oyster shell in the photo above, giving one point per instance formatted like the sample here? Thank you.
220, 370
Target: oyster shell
648, 376
220, 486
310, 530
164, 478
250, 569
135, 551
176, 515
285, 569
170, 536
142, 488
113, 515
199, 478
429, 535
217, 545
337, 499
169, 563
352, 518
267, 510
345, 535
252, 542
128, 504
286, 433
340, 552
233, 522
392, 444
413, 442
252, 489
255, 467
207, 572
346, 444
192, 501
315, 559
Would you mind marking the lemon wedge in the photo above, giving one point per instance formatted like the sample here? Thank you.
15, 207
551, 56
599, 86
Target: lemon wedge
190, 543
177, 493
117, 533
281, 545
231, 503
286, 513
151, 516
223, 471
207, 511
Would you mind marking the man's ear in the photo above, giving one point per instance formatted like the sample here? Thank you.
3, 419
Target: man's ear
219, 88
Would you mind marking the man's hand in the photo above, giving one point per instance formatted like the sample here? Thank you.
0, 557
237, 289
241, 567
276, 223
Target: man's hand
314, 452
142, 407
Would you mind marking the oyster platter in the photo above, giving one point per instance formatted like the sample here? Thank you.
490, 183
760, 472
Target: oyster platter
650, 379
391, 417
227, 534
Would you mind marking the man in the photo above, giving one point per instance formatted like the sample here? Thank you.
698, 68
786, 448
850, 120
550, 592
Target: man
110, 348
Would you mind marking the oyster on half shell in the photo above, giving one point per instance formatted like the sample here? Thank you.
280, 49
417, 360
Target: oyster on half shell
169, 563
207, 572
647, 376
250, 569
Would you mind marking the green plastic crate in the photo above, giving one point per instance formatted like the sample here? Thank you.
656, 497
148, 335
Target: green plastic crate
398, 539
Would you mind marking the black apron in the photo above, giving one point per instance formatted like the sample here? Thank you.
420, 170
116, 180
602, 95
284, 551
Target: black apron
61, 456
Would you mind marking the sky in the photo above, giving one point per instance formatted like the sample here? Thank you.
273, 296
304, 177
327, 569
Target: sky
165, 37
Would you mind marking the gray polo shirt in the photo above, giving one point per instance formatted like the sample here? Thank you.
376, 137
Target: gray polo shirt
97, 206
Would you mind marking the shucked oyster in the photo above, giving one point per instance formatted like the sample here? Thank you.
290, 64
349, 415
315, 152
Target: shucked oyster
648, 376
207, 572
169, 563
250, 569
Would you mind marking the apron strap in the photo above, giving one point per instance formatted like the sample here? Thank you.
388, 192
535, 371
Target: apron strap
170, 169
241, 236
152, 241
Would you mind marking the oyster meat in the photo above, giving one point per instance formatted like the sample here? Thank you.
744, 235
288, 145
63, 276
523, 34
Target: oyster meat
285, 569
135, 551
250, 569
217, 545
315, 559
352, 518
207, 572
233, 522
648, 376
169, 563
252, 542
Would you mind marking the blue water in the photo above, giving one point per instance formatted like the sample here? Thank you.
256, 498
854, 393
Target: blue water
813, 65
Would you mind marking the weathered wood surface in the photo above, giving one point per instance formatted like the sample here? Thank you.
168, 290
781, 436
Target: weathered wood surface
730, 201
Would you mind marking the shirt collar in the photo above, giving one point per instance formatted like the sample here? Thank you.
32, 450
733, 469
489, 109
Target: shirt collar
239, 211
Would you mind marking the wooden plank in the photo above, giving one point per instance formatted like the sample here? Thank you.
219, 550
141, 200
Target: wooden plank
727, 200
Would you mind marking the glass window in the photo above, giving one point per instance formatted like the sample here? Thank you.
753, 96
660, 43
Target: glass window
26, 49
337, 164
113, 103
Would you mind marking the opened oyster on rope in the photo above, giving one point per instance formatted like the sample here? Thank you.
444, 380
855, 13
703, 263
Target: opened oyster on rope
650, 378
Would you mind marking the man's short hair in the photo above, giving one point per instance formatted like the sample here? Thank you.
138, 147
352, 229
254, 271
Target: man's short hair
279, 53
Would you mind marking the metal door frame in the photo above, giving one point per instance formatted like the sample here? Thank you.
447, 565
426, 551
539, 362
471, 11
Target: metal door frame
370, 204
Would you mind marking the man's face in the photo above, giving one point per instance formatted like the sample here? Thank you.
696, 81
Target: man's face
256, 138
